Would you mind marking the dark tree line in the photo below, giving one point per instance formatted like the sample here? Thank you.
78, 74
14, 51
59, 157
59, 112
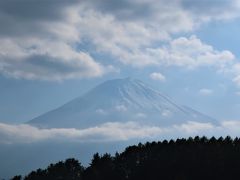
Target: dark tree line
183, 159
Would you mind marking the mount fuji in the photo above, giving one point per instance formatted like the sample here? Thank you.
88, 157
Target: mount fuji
119, 100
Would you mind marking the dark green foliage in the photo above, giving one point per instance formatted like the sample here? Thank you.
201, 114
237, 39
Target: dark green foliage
17, 178
71, 169
183, 159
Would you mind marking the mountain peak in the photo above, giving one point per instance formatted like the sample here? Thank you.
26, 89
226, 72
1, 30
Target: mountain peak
119, 100
122, 81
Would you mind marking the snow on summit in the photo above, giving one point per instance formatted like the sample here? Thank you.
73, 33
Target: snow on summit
119, 100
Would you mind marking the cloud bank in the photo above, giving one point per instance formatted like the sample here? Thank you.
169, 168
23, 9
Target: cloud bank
57, 40
114, 131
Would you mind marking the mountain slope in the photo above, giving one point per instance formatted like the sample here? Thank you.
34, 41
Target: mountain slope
119, 100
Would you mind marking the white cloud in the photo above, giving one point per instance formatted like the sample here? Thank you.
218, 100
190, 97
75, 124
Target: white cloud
157, 76
207, 10
205, 92
50, 52
191, 53
194, 127
101, 111
121, 108
236, 80
41, 59
234, 71
106, 132
114, 131
166, 113
141, 115
64, 40
231, 125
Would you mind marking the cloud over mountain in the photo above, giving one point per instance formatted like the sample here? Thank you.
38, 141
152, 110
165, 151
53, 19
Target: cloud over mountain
56, 40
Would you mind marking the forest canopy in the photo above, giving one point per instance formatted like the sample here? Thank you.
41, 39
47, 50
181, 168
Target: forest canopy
181, 159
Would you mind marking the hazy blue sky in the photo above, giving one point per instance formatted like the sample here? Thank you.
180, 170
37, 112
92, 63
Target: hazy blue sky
52, 51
